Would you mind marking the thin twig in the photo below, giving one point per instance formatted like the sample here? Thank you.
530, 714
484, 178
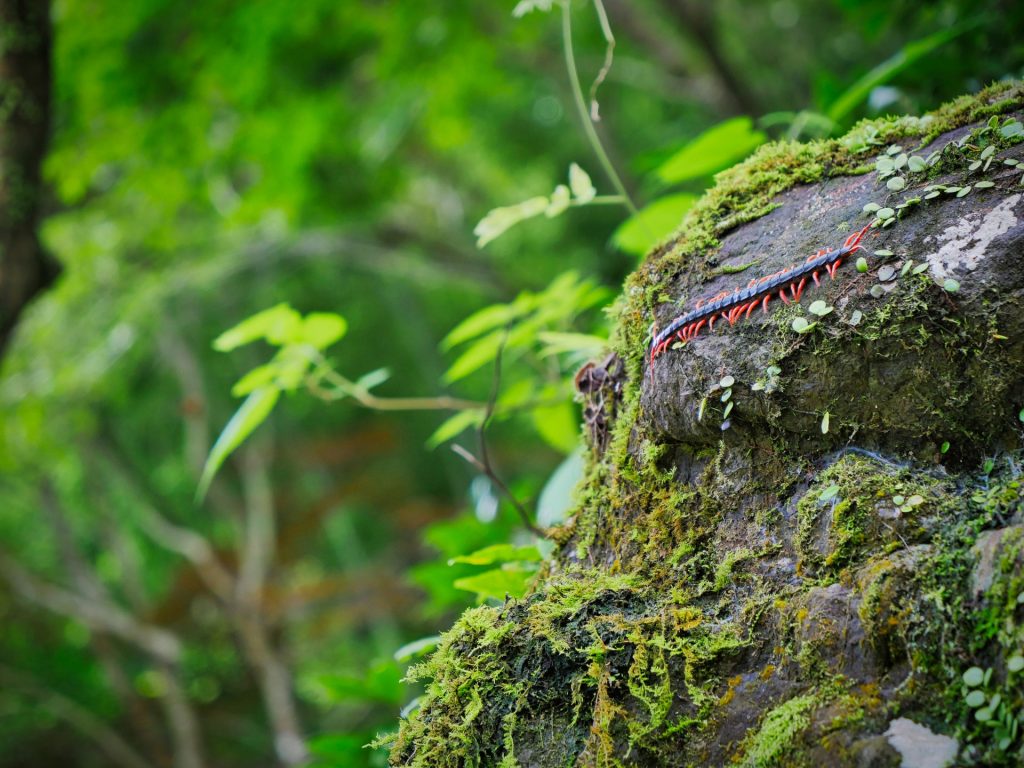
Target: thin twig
609, 55
581, 107
489, 473
344, 387
483, 464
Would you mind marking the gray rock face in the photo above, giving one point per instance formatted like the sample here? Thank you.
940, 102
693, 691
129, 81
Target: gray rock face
921, 365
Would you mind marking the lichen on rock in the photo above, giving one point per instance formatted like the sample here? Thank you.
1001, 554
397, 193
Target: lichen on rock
782, 591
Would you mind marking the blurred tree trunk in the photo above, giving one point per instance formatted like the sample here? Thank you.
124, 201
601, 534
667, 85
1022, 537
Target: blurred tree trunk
25, 42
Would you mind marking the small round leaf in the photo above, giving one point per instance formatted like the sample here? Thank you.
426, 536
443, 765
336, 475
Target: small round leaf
973, 677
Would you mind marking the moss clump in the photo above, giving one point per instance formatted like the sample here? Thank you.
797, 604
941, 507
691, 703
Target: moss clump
774, 739
858, 505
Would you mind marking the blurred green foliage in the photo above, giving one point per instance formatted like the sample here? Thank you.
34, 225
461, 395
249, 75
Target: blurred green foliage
329, 160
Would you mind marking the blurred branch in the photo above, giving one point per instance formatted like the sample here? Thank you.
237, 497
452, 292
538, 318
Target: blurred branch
698, 22
181, 719
84, 576
119, 751
175, 538
99, 615
258, 545
344, 387
276, 688
194, 404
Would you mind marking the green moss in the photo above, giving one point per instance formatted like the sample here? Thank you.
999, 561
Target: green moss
780, 726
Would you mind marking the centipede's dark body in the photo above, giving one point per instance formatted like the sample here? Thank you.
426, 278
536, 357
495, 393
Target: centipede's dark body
730, 306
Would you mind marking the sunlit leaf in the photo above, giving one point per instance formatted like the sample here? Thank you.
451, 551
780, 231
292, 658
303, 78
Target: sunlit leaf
321, 329
558, 426
274, 325
417, 648
557, 495
718, 147
250, 415
580, 184
499, 220
556, 343
523, 7
496, 584
639, 233
373, 378
476, 356
455, 425
483, 320
499, 553
257, 377
559, 201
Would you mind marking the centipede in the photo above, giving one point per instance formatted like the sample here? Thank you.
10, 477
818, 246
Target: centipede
729, 306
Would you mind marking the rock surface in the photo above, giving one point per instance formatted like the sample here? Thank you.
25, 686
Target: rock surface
788, 547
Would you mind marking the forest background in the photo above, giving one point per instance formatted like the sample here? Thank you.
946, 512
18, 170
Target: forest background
209, 161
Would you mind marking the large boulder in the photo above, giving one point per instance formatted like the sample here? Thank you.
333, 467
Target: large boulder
799, 538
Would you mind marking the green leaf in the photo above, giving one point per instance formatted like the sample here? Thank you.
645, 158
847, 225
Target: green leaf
641, 232
373, 379
824, 423
896, 183
976, 698
476, 356
558, 426
257, 377
800, 325
321, 329
486, 319
888, 69
496, 583
581, 185
719, 147
585, 344
950, 285
499, 553
1016, 662
250, 415
1012, 129
829, 493
275, 325
973, 677
559, 201
556, 498
524, 7
500, 220
916, 164
416, 648
819, 308
455, 425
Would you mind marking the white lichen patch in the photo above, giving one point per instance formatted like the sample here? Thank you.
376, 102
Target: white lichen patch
962, 245
920, 747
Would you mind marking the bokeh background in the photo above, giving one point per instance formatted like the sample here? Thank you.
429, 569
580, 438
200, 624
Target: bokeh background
212, 159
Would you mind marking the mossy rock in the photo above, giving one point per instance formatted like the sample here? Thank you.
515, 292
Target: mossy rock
789, 590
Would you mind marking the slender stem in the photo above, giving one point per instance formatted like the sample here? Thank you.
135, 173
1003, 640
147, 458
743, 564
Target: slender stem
609, 54
581, 107
602, 200
343, 387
